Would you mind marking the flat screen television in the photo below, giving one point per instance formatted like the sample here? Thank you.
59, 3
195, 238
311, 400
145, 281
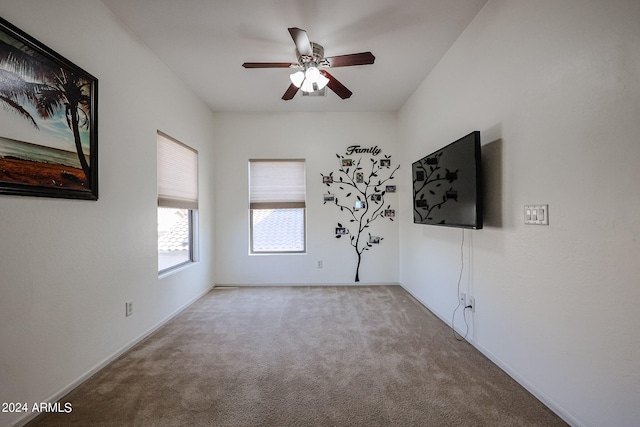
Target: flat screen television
447, 185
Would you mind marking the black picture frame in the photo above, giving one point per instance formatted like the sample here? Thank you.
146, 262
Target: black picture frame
48, 121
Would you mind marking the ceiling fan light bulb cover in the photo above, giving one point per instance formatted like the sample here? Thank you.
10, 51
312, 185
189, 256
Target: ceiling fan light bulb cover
307, 86
312, 74
297, 78
322, 82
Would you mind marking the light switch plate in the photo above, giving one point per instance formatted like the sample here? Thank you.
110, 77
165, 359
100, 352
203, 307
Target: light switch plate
536, 214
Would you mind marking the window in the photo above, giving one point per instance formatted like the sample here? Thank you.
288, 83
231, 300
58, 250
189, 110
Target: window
177, 203
277, 193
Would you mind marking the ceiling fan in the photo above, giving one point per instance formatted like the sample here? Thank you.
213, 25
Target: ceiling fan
311, 75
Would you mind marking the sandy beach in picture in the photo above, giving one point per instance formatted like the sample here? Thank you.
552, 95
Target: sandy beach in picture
41, 174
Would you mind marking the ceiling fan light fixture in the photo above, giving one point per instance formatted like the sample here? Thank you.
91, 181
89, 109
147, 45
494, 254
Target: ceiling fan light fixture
322, 82
313, 79
297, 78
312, 73
307, 86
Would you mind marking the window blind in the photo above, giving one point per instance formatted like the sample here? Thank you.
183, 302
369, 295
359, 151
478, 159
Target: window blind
277, 184
177, 174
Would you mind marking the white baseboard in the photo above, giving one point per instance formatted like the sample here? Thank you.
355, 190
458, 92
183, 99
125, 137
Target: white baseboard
66, 390
557, 409
241, 285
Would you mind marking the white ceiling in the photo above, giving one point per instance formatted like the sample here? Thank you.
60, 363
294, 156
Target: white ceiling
205, 43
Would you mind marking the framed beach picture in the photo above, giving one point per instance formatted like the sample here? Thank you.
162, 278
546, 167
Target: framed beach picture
48, 121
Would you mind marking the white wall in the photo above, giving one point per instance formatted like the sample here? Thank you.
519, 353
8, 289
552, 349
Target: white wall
316, 137
554, 87
67, 267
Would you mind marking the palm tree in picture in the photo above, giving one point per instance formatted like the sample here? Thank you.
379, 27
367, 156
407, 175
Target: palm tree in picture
68, 92
56, 91
14, 92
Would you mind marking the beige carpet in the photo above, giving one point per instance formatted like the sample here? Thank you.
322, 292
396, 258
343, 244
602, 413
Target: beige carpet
303, 356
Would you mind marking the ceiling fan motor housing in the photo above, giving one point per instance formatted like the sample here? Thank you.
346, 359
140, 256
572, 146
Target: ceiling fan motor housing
318, 55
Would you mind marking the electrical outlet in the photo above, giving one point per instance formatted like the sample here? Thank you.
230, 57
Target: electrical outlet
128, 308
319, 263
463, 299
472, 304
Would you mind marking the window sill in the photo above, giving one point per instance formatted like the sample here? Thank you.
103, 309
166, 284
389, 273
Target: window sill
170, 271
276, 253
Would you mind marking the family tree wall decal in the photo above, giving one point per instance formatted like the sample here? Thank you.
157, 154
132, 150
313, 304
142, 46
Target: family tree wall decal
359, 190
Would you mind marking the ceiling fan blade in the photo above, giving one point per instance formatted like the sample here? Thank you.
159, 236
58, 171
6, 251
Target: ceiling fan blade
301, 40
336, 86
290, 93
363, 58
267, 64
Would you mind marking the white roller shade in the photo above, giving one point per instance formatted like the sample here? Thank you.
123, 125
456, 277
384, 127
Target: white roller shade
177, 174
276, 184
